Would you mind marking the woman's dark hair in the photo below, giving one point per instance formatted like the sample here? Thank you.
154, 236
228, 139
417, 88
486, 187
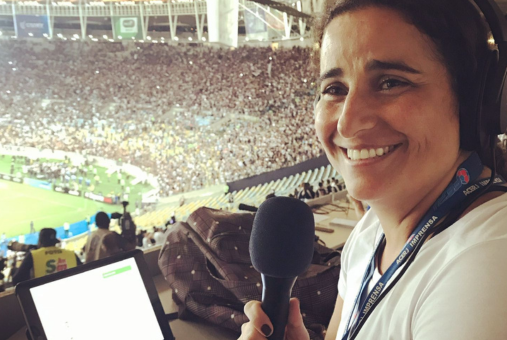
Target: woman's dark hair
460, 36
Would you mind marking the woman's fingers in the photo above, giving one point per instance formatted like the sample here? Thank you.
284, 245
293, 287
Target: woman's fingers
258, 319
296, 329
295, 317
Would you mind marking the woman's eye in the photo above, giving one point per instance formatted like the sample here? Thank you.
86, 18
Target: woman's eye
334, 91
391, 83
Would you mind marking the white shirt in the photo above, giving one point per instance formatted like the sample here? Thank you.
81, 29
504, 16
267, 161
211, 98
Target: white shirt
456, 288
159, 238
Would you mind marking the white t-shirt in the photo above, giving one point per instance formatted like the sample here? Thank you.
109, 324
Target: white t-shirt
456, 288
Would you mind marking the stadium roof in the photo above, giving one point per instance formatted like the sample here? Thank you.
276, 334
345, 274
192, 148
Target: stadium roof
283, 8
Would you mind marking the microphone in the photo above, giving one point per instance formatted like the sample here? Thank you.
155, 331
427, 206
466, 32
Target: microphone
281, 249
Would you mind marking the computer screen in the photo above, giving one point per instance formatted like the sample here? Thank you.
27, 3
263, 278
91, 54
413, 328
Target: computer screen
110, 302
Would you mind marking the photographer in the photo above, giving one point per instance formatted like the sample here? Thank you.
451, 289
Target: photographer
47, 259
104, 242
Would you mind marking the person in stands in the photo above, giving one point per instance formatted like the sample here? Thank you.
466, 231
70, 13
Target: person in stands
94, 249
45, 260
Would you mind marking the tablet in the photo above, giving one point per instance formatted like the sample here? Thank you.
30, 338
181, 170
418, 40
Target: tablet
112, 298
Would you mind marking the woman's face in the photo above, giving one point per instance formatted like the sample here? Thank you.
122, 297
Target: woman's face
387, 114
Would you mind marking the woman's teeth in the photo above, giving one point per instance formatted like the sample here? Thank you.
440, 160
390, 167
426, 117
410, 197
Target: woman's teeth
355, 154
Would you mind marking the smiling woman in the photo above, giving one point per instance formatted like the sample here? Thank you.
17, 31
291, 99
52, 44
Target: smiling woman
399, 117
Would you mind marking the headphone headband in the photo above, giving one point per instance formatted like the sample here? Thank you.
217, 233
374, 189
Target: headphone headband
495, 19
492, 108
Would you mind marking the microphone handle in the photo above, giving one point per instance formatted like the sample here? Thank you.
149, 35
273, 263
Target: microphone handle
275, 302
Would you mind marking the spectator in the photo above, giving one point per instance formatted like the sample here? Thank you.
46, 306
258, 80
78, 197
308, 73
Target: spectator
321, 191
306, 192
47, 259
159, 237
94, 249
110, 244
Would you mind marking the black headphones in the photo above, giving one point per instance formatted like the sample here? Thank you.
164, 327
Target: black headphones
491, 98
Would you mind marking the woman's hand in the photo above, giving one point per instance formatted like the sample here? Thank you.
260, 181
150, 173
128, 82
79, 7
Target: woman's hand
259, 327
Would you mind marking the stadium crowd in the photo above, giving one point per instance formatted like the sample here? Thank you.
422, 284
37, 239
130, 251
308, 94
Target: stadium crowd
192, 115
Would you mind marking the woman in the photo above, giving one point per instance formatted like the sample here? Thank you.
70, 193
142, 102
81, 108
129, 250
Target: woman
396, 80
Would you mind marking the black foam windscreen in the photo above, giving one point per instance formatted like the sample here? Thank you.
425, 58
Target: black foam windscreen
283, 233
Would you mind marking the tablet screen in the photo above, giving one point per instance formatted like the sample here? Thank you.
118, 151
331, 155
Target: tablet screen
110, 302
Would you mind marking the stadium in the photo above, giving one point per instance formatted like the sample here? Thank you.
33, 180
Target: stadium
182, 109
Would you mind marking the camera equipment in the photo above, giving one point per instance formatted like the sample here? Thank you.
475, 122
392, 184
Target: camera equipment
128, 227
16, 246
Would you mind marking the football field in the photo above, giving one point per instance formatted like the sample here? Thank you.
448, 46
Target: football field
20, 204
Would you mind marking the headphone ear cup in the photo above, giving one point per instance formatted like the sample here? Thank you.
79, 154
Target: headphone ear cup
501, 72
471, 114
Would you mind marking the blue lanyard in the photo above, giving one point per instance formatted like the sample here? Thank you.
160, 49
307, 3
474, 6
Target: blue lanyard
460, 187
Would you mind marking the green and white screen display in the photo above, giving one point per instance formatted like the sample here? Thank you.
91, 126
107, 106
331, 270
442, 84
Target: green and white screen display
110, 302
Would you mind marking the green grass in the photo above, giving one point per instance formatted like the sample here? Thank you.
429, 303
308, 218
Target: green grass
107, 185
21, 203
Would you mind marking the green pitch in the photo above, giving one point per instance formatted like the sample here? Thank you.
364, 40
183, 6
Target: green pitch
21, 203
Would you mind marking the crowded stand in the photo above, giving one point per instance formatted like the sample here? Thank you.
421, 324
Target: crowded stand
192, 115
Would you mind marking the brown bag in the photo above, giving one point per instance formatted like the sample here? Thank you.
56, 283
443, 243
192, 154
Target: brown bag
206, 262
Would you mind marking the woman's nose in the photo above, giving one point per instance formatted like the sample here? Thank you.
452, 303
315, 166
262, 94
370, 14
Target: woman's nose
357, 115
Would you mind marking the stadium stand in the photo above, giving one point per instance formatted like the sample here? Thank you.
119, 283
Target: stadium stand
194, 116
252, 196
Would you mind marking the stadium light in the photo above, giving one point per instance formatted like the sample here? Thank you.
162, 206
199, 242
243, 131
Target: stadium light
97, 72
73, 39
301, 38
30, 34
10, 62
241, 74
111, 40
105, 36
190, 62
95, 39
14, 69
120, 37
190, 38
155, 41
270, 58
246, 39
45, 35
148, 38
203, 39
8, 91
304, 80
158, 87
90, 36
176, 38
59, 35
1, 33
76, 36
162, 38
